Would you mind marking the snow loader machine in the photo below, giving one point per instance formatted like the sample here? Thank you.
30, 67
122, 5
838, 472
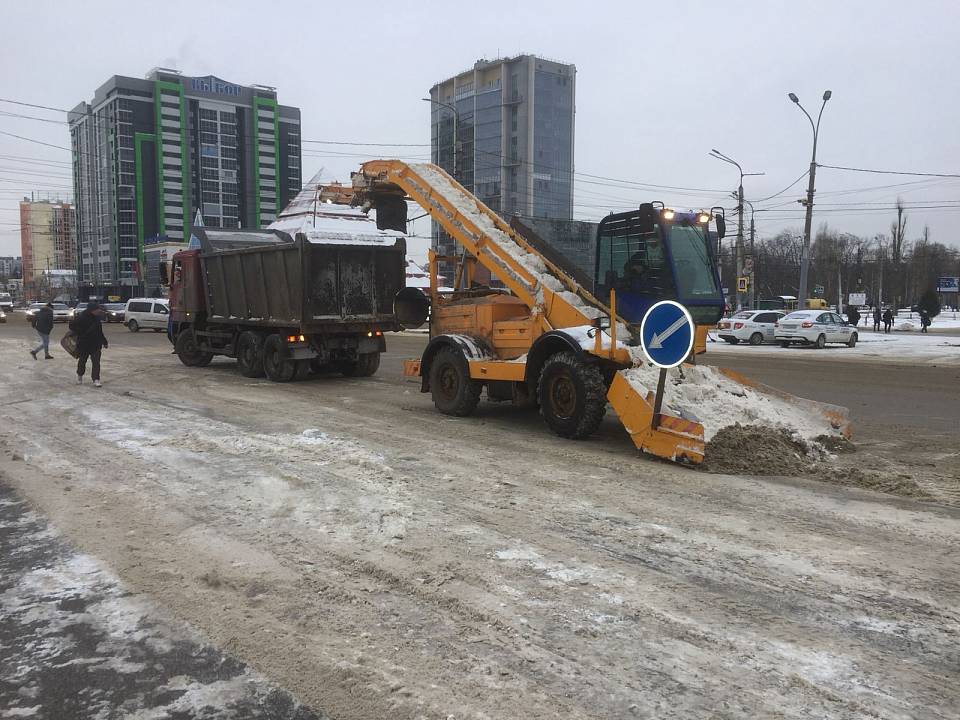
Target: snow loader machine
543, 339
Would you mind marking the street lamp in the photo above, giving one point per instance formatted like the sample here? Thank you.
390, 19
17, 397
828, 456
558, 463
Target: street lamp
714, 153
805, 258
456, 124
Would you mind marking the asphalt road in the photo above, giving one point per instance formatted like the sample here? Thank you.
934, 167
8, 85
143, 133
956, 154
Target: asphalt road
886, 401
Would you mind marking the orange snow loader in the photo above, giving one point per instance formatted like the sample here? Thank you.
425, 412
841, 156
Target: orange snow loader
542, 339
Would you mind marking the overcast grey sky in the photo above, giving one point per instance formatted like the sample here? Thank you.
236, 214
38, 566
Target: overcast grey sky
658, 85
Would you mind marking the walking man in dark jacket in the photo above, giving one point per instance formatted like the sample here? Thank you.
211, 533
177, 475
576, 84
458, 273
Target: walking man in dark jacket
43, 324
887, 320
876, 319
924, 320
90, 341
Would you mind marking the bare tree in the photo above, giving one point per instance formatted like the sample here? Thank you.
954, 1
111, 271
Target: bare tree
898, 232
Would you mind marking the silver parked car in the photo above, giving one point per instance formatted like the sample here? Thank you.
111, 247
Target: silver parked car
814, 327
753, 326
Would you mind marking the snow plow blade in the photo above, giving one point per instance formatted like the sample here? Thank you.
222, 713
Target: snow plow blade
663, 435
837, 415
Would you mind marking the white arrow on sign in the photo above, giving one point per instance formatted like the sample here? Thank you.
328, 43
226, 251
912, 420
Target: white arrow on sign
656, 342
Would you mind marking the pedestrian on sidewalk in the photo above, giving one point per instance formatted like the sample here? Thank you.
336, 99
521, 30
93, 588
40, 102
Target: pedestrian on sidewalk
887, 320
853, 316
88, 326
43, 324
876, 319
924, 320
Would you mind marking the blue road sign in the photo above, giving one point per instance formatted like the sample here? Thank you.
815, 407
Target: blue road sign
666, 334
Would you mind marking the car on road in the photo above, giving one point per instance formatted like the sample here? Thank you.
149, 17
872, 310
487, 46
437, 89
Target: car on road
816, 328
752, 326
147, 313
114, 312
61, 312
6, 302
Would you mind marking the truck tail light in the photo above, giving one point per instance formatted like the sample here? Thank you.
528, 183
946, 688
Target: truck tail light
737, 326
806, 324
291, 338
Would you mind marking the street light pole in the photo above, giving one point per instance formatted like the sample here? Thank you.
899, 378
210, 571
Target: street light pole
714, 153
808, 221
753, 260
456, 124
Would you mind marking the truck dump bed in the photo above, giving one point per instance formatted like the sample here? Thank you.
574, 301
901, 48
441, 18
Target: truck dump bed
266, 278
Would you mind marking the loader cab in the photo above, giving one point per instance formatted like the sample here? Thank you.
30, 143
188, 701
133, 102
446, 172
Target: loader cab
652, 254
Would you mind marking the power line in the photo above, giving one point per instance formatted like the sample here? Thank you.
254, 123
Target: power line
890, 172
38, 142
364, 144
777, 194
41, 107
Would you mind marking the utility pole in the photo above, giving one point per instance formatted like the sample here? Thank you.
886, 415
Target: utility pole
811, 188
714, 153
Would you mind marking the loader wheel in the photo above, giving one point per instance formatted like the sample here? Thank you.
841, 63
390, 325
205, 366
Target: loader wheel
756, 339
250, 354
454, 393
365, 365
572, 394
189, 351
276, 365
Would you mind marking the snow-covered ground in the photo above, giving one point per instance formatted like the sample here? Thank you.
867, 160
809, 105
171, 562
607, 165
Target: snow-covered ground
899, 347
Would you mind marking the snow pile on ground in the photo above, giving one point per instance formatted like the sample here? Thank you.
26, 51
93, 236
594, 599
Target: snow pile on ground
704, 394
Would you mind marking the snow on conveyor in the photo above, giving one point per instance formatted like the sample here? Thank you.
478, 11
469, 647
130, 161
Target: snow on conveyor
530, 262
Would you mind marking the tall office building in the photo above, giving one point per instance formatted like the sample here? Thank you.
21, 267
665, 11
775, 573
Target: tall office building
148, 153
47, 241
514, 125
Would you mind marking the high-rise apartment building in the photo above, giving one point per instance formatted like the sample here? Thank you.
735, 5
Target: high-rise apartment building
148, 153
510, 124
47, 240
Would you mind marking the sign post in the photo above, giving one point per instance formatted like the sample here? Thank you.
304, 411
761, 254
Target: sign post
666, 336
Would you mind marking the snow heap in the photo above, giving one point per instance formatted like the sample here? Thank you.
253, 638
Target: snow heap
704, 394
330, 223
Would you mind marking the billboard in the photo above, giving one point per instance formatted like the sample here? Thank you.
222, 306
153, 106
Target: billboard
948, 284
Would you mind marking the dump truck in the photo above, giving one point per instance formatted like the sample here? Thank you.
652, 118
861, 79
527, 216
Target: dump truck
543, 339
284, 305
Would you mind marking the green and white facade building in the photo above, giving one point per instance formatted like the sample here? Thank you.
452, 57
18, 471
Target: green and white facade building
148, 153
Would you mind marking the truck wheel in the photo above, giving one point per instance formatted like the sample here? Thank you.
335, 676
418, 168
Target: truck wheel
365, 365
302, 370
133, 325
276, 365
454, 393
572, 394
250, 354
188, 351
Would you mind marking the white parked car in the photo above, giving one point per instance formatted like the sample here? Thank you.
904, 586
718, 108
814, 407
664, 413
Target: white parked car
753, 326
149, 313
814, 327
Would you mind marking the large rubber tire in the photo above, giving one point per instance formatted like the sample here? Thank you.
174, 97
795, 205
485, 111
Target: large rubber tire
276, 365
188, 351
454, 393
133, 326
756, 339
302, 370
250, 354
365, 365
852, 342
821, 341
572, 395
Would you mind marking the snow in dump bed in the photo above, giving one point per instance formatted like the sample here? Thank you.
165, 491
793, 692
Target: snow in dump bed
330, 223
530, 262
704, 394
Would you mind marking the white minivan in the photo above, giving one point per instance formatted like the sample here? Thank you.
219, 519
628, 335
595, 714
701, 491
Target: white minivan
147, 313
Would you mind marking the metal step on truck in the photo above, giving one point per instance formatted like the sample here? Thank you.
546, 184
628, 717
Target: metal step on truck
285, 305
